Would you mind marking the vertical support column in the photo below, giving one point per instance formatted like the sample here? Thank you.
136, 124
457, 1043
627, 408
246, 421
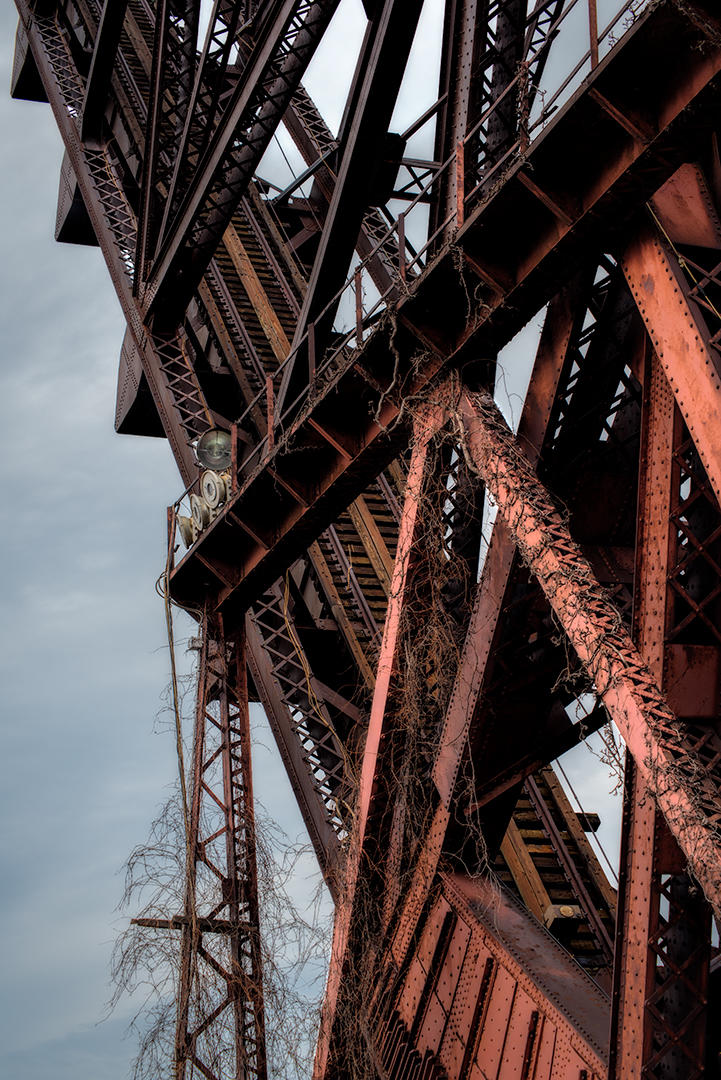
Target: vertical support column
658, 1026
424, 431
633, 974
246, 964
460, 185
503, 121
189, 934
593, 32
220, 1020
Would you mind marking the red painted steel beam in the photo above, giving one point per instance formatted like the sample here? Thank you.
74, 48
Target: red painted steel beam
371, 779
649, 855
689, 797
549, 363
487, 992
636, 964
681, 340
532, 974
633, 974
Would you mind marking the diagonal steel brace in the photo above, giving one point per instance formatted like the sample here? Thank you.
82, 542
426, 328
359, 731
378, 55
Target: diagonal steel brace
688, 794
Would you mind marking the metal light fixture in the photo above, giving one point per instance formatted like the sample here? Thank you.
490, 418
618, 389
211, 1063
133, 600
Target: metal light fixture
214, 488
187, 530
213, 449
200, 511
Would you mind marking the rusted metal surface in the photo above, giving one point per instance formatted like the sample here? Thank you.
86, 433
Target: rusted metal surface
682, 341
221, 855
686, 790
376, 83
634, 974
649, 960
371, 778
687, 210
281, 683
486, 991
291, 33
551, 358
311, 553
508, 281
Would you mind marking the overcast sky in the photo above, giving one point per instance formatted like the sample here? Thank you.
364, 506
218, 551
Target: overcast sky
83, 656
82, 631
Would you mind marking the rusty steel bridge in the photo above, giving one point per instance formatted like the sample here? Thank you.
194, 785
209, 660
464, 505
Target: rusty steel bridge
431, 607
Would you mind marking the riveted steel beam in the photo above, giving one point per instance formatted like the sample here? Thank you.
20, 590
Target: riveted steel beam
688, 793
372, 779
378, 79
657, 958
681, 339
171, 81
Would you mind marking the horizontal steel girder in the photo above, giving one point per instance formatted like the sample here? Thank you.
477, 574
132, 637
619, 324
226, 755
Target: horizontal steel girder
687, 792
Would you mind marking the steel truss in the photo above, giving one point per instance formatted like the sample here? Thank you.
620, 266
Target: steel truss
365, 450
220, 1014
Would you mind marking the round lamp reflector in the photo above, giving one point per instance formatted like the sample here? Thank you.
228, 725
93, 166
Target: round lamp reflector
213, 449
